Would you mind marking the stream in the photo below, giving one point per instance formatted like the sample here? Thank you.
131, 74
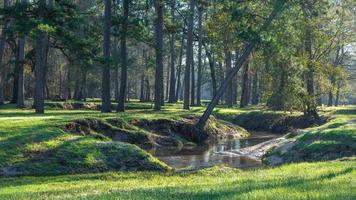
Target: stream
207, 155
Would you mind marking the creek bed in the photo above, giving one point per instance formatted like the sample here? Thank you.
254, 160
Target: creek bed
208, 155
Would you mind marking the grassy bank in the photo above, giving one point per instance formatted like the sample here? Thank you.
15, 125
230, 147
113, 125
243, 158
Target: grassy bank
33, 144
326, 180
335, 139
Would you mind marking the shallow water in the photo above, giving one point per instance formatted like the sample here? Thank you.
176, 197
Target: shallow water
207, 155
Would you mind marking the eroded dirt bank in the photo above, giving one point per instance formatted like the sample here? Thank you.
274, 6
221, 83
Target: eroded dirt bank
157, 132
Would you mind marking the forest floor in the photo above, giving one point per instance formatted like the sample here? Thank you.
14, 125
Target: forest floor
27, 140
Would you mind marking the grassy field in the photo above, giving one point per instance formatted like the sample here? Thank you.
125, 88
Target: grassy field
326, 180
38, 145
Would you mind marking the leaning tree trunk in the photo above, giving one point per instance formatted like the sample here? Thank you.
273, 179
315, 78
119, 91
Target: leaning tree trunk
159, 55
202, 121
106, 102
200, 46
123, 50
189, 56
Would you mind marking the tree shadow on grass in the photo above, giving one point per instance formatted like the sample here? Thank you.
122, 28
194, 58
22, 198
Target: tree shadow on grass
225, 190
349, 111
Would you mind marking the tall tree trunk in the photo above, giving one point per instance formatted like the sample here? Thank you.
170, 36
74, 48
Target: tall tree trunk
41, 50
337, 100
106, 102
148, 90
189, 56
330, 98
179, 70
255, 92
21, 82
229, 91
123, 50
204, 118
167, 83
192, 90
16, 79
159, 55
2, 98
172, 84
116, 69
2, 50
142, 88
200, 46
212, 70
68, 91
21, 60
312, 104
244, 89
235, 83
143, 78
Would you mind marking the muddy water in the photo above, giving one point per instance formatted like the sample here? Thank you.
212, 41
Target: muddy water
208, 155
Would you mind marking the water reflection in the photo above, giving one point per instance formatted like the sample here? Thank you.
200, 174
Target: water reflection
206, 155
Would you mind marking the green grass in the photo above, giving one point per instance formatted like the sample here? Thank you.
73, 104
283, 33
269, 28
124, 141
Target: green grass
326, 180
33, 144
26, 139
335, 139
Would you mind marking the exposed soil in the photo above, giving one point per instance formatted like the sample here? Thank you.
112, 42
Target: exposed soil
156, 133
276, 122
100, 128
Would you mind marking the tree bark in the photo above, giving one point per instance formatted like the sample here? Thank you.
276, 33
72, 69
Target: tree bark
212, 70
159, 55
229, 93
189, 56
41, 50
172, 84
311, 104
106, 102
337, 100
16, 79
116, 69
245, 86
192, 90
204, 118
200, 46
123, 51
255, 92
179, 70
235, 81
3, 37
21, 61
